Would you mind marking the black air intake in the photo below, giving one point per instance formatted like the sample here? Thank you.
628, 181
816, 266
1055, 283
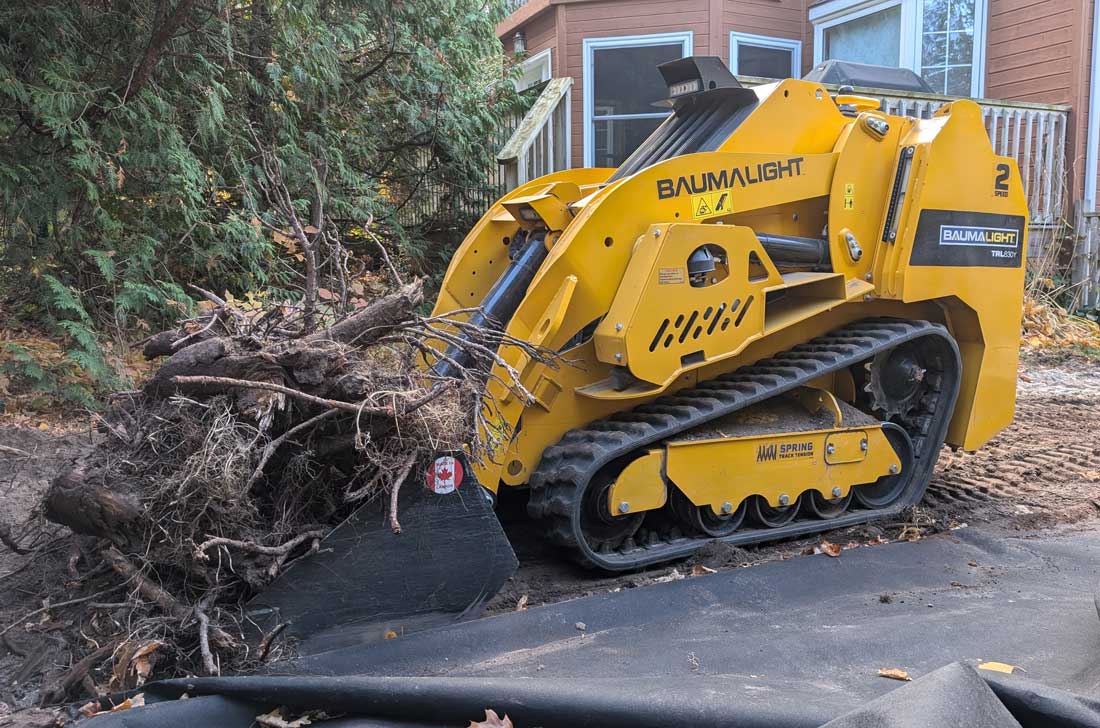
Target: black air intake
708, 103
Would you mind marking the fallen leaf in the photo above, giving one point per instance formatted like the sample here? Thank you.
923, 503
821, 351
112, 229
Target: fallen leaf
492, 720
1025, 378
522, 603
390, 635
43, 426
310, 230
673, 575
830, 549
325, 294
699, 570
998, 667
144, 660
280, 718
910, 534
894, 673
92, 708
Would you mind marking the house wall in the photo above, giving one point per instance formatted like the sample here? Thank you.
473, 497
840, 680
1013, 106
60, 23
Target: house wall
615, 18
540, 32
1036, 50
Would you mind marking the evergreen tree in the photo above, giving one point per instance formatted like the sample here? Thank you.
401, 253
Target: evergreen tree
147, 144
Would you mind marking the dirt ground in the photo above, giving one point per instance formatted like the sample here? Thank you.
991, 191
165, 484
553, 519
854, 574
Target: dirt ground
1042, 471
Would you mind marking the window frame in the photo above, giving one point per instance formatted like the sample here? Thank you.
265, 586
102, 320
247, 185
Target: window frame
835, 12
766, 41
535, 69
685, 38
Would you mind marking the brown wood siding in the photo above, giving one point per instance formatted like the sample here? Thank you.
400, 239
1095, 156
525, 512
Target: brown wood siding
1039, 51
541, 33
614, 18
775, 18
1036, 50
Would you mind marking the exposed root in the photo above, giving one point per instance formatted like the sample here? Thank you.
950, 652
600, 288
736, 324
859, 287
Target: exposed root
261, 430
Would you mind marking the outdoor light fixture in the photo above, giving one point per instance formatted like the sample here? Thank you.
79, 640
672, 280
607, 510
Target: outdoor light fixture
519, 42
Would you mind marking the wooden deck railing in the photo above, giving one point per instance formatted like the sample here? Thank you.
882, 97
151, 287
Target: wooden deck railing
540, 144
1034, 134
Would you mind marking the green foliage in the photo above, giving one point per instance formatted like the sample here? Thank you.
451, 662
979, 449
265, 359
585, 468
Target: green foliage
131, 131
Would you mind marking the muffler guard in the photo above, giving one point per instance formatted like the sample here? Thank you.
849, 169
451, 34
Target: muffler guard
367, 582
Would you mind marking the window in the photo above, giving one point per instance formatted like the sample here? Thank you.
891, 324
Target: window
761, 55
873, 38
621, 84
942, 40
947, 45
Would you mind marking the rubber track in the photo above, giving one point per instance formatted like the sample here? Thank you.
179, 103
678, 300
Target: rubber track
558, 484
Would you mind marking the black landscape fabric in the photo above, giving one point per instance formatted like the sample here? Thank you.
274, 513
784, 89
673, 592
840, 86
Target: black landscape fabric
786, 644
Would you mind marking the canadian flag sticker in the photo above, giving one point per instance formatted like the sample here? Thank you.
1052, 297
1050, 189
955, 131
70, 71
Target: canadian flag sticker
445, 475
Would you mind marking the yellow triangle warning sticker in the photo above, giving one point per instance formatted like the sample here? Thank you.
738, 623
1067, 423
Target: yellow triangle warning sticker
702, 208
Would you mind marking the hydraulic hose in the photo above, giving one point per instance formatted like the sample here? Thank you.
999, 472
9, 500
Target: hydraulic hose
502, 300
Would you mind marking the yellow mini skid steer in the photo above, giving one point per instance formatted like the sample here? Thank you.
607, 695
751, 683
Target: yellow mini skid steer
774, 314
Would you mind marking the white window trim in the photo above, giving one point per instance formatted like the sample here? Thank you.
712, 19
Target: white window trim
535, 70
685, 38
835, 12
766, 41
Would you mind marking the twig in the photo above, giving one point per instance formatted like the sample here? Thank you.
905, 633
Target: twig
178, 343
271, 447
394, 525
15, 451
212, 297
385, 255
204, 639
255, 548
271, 386
48, 607
125, 568
409, 406
269, 639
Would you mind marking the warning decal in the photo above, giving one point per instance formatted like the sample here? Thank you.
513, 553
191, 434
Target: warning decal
445, 475
711, 204
669, 276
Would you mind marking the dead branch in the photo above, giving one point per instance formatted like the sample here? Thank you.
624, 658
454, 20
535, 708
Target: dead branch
273, 387
271, 447
255, 548
269, 639
14, 451
212, 297
58, 605
373, 322
77, 673
204, 638
126, 569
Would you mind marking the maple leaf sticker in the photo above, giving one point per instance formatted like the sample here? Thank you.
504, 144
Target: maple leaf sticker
445, 475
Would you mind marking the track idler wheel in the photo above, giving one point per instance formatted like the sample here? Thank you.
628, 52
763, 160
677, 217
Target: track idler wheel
824, 508
772, 516
889, 488
603, 530
705, 520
